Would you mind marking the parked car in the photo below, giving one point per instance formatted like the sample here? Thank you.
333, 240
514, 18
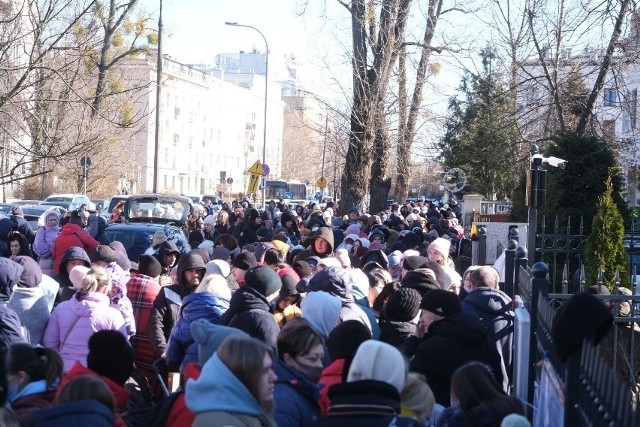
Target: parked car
5, 208
70, 202
113, 201
149, 213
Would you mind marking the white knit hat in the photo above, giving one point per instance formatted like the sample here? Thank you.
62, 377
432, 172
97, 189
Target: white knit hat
77, 275
441, 245
210, 219
376, 360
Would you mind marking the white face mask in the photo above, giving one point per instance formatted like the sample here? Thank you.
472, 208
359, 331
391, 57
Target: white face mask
314, 228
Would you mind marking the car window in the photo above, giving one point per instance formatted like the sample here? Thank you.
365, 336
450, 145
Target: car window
58, 199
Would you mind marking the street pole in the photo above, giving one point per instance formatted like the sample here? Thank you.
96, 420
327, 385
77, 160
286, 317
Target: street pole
324, 150
266, 104
156, 153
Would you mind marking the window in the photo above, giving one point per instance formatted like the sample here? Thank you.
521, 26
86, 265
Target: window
176, 113
176, 139
166, 155
610, 97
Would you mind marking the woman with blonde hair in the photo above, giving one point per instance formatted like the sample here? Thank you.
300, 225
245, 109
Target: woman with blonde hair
73, 321
235, 387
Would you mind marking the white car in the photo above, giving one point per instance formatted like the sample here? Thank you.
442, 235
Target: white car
70, 202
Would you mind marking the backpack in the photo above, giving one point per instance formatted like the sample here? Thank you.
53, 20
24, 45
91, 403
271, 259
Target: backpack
157, 415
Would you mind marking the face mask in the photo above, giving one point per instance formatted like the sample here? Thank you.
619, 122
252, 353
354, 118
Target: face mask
311, 372
314, 228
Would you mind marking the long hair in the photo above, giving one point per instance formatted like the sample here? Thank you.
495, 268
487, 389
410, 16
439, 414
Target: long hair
39, 363
96, 280
22, 241
473, 385
245, 358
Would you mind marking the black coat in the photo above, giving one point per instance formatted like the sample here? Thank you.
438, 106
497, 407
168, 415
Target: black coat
366, 403
249, 311
396, 333
449, 344
493, 307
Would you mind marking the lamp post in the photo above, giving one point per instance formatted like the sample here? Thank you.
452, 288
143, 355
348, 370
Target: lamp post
156, 153
266, 105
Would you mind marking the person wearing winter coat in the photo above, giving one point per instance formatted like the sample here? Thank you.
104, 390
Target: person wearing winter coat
450, 338
250, 306
300, 352
400, 311
235, 387
21, 224
168, 254
335, 281
493, 307
321, 243
246, 232
72, 257
166, 307
34, 374
28, 300
45, 238
10, 326
73, 321
209, 302
342, 345
142, 290
370, 396
71, 235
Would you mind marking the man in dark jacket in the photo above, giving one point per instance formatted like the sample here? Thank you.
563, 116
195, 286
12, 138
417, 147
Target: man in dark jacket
10, 327
493, 307
322, 243
450, 339
250, 306
73, 256
166, 307
21, 224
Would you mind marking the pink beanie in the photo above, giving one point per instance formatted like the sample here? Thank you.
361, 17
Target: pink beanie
441, 245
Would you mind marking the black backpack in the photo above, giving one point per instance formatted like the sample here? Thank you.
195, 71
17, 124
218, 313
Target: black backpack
157, 415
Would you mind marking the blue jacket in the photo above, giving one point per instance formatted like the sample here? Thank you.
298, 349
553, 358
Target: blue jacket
141, 243
204, 305
219, 390
80, 413
295, 396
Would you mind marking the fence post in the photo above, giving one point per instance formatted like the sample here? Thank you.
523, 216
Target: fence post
509, 264
539, 285
482, 246
572, 383
520, 261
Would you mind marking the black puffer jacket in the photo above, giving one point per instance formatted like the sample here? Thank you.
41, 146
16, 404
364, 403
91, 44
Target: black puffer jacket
250, 312
166, 307
449, 344
493, 307
66, 289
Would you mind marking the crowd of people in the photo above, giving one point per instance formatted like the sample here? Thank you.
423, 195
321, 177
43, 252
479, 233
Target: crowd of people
306, 315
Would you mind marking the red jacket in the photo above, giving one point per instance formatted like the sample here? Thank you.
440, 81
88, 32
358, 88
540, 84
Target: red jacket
71, 235
180, 415
331, 375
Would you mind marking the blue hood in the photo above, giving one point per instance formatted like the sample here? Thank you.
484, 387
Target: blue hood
10, 273
218, 389
203, 305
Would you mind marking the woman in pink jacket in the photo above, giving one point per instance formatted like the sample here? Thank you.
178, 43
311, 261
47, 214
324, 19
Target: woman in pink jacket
73, 321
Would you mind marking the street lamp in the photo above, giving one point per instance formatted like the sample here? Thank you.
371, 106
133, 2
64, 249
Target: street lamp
266, 93
156, 153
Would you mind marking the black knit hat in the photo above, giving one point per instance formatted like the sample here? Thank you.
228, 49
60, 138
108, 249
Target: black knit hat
110, 355
403, 305
421, 280
244, 261
414, 262
263, 279
441, 302
345, 339
149, 266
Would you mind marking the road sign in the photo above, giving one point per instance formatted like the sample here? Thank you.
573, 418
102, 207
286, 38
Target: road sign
85, 161
321, 182
229, 180
265, 170
256, 168
254, 180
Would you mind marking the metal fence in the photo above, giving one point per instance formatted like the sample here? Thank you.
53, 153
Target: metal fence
596, 386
